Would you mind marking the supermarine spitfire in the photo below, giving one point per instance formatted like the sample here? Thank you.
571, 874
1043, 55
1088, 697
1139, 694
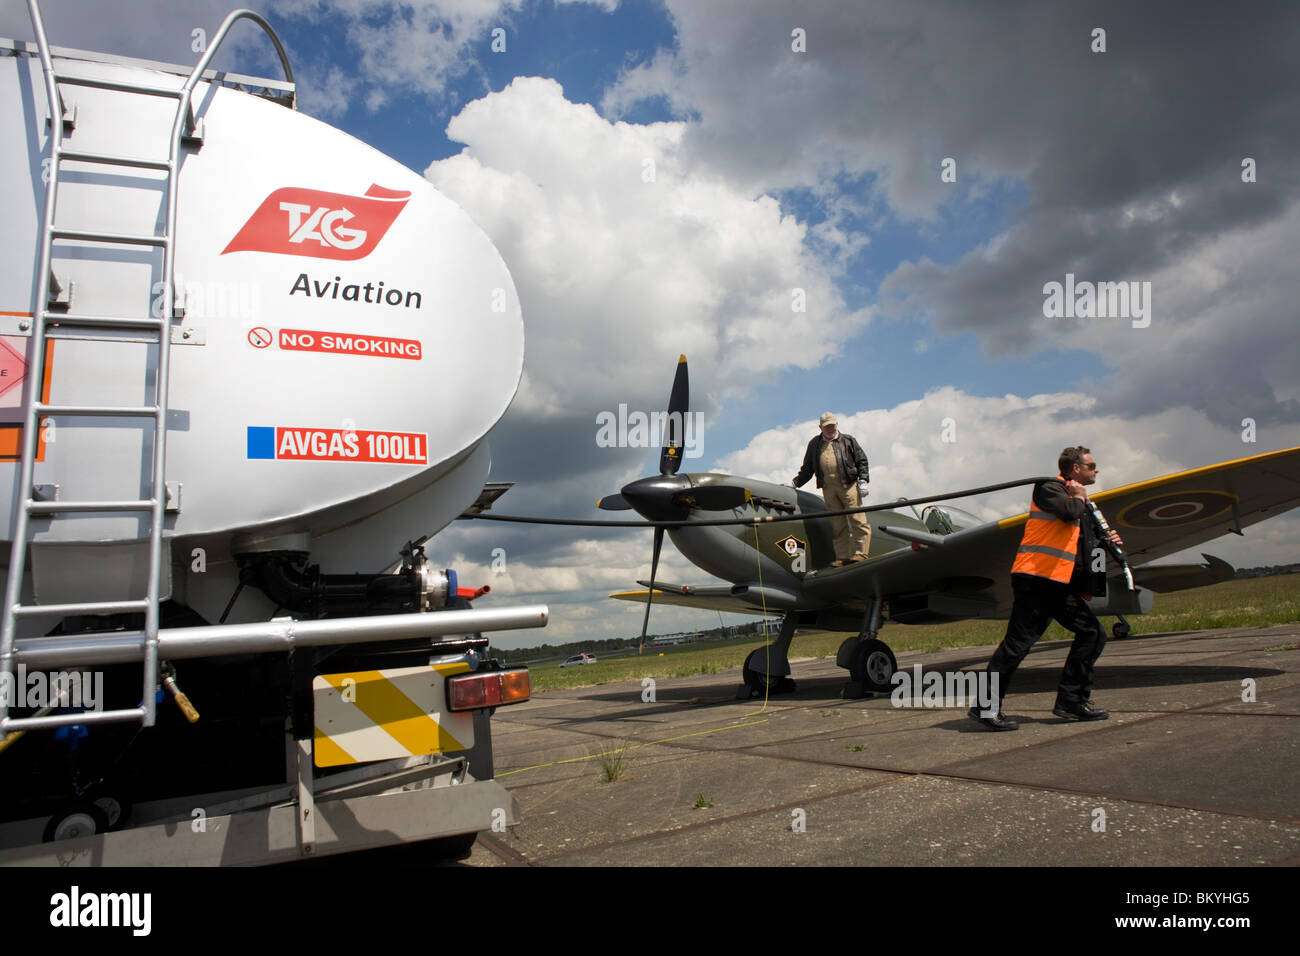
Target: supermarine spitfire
936, 564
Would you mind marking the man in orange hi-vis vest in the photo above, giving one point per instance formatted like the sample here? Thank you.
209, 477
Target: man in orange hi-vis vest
1052, 577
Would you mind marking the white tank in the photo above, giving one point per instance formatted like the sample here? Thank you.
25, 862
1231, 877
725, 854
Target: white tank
349, 337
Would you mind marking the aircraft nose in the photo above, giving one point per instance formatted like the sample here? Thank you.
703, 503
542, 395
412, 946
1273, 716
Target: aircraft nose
654, 497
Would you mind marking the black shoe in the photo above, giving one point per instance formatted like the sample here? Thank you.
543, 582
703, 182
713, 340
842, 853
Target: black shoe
993, 723
1082, 710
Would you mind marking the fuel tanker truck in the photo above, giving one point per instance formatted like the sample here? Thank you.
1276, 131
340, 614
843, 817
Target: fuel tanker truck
247, 366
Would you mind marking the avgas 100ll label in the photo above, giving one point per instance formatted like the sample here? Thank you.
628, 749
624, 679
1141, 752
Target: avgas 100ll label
286, 443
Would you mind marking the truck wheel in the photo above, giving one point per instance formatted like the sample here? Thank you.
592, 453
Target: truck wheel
74, 821
452, 848
116, 810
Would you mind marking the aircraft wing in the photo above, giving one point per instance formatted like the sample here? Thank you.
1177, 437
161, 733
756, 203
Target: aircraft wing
966, 571
711, 598
967, 574
1163, 578
1164, 515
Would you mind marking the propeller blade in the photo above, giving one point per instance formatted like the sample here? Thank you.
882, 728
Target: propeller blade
613, 503
679, 401
715, 497
654, 566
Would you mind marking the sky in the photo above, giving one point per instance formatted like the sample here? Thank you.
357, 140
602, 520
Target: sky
826, 206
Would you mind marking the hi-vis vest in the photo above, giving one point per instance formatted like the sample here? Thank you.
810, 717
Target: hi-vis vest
1049, 546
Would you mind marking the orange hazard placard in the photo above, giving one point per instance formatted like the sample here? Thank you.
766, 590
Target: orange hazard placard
13, 373
13, 369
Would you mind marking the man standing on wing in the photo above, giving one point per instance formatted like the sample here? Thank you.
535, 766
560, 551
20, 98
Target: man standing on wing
1052, 579
840, 465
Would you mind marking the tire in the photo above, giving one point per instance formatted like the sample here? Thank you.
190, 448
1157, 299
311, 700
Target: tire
74, 821
452, 848
873, 665
760, 683
116, 809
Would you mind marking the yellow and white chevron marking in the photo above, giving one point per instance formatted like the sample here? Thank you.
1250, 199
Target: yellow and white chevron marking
379, 715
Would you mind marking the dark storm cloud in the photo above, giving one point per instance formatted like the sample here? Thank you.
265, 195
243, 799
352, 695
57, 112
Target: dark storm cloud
1131, 161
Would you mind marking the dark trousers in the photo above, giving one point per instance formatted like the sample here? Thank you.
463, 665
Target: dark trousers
1038, 602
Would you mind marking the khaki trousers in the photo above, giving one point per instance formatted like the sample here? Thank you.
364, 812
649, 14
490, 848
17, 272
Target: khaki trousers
852, 532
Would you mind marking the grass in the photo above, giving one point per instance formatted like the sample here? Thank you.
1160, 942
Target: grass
613, 762
1250, 602
702, 802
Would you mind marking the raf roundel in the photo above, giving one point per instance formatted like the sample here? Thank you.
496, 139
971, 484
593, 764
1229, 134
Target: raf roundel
1176, 508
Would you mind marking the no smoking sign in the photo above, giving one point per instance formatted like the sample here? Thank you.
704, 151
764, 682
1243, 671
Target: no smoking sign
260, 337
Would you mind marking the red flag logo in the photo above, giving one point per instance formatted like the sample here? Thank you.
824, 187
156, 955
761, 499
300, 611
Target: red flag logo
308, 222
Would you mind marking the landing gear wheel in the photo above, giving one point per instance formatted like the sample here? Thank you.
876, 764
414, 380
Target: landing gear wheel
1120, 630
761, 683
873, 665
74, 821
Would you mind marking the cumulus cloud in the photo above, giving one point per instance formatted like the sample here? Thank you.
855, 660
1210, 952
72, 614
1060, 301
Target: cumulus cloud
625, 255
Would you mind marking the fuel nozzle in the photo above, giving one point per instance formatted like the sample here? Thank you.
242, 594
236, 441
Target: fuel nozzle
178, 695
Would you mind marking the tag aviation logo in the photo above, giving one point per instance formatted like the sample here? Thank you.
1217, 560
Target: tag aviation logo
308, 222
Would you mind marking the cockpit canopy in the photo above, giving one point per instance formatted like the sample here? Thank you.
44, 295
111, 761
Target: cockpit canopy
947, 519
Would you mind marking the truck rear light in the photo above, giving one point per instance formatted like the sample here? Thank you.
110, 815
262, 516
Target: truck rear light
490, 689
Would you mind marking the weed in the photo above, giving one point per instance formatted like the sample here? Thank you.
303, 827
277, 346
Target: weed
613, 762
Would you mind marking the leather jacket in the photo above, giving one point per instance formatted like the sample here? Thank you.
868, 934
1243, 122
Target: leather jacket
850, 459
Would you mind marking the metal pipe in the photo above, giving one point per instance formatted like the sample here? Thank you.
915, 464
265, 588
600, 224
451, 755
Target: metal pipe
265, 637
24, 724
